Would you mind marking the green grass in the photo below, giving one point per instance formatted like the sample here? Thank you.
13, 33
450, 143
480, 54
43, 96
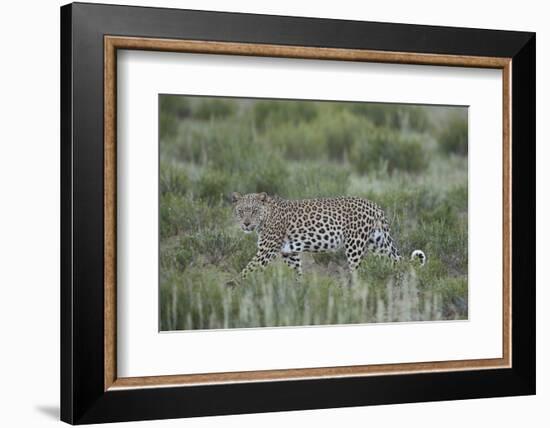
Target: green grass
392, 155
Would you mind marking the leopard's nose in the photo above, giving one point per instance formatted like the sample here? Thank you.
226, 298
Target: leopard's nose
246, 223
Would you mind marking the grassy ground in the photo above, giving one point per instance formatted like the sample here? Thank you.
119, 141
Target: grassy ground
412, 161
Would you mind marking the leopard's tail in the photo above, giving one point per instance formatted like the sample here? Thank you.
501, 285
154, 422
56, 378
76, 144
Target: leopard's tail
420, 256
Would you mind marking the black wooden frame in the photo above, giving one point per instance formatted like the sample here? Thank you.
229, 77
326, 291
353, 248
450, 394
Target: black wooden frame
83, 399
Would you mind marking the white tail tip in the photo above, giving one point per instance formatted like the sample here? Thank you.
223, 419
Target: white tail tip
419, 254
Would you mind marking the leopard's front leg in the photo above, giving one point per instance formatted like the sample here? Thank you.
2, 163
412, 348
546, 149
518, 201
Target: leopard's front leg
269, 245
261, 259
294, 261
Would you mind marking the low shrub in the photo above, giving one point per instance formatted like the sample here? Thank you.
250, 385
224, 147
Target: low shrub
221, 143
454, 137
405, 118
175, 105
297, 141
379, 114
313, 180
265, 173
183, 214
383, 149
173, 179
214, 185
270, 113
214, 108
204, 247
331, 135
341, 131
254, 174
173, 109
418, 119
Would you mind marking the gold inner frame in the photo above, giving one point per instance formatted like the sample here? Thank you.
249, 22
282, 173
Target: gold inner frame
113, 43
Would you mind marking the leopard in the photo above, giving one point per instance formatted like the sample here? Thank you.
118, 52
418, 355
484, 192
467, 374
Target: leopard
290, 227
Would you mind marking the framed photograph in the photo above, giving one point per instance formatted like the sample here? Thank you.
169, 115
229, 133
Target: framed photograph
265, 213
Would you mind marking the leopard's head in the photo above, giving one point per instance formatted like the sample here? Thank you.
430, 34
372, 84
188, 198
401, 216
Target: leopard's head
250, 210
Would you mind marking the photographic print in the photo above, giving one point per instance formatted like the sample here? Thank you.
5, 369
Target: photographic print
318, 182
277, 213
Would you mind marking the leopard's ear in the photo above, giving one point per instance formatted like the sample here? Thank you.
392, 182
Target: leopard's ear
235, 196
262, 197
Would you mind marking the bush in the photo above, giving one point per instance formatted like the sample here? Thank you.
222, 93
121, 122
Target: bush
440, 228
379, 114
390, 151
313, 180
174, 105
454, 297
394, 116
183, 214
276, 112
457, 198
214, 185
330, 136
173, 109
265, 174
222, 143
242, 163
254, 175
189, 145
297, 141
217, 108
454, 137
418, 119
205, 247
173, 179
341, 132
231, 149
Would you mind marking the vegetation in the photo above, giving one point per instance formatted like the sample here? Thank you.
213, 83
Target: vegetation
411, 160
454, 137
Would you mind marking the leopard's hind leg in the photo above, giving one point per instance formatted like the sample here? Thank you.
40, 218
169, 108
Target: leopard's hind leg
354, 250
381, 243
